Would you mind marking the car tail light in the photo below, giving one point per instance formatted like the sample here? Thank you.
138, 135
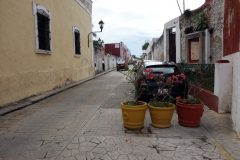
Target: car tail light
142, 92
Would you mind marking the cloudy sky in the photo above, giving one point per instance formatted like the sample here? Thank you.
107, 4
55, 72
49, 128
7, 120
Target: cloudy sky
135, 21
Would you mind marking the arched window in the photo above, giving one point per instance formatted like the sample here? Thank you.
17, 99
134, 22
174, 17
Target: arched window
42, 29
77, 42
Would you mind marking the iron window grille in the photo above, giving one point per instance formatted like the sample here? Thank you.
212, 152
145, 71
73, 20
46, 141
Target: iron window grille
77, 42
44, 33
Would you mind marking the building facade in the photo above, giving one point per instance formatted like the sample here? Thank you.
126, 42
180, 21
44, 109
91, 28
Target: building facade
43, 44
117, 49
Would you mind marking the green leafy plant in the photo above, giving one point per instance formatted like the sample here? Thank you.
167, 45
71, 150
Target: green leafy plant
200, 21
145, 46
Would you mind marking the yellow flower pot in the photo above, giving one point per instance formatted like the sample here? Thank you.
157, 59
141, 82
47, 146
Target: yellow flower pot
133, 116
161, 116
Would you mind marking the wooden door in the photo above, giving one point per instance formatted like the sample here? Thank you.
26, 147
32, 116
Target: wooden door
172, 46
193, 50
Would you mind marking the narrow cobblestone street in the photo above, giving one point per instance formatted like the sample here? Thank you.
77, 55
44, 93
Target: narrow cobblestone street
85, 123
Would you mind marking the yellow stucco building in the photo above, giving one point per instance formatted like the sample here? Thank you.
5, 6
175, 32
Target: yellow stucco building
43, 43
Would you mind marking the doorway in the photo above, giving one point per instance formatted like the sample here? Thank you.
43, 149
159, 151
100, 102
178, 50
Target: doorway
193, 50
172, 45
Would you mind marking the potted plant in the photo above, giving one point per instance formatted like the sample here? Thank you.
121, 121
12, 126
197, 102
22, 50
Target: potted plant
187, 13
200, 21
161, 106
133, 112
190, 110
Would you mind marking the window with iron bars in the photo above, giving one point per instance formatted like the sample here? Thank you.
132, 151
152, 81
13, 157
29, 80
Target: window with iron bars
43, 32
77, 42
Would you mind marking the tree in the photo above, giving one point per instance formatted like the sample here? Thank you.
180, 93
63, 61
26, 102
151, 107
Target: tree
145, 46
134, 56
95, 43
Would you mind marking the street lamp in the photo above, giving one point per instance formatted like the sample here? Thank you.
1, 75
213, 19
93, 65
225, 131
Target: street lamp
101, 24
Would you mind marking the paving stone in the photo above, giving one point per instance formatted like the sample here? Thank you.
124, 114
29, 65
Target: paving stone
211, 155
167, 153
81, 139
99, 150
182, 155
66, 153
75, 151
106, 157
141, 157
87, 144
73, 146
69, 158
85, 149
95, 140
123, 157
113, 154
97, 155
110, 148
80, 156
89, 155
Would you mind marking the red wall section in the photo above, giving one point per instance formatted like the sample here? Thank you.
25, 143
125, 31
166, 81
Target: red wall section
231, 30
110, 48
207, 97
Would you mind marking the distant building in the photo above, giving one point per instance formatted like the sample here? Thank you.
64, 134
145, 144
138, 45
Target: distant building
117, 49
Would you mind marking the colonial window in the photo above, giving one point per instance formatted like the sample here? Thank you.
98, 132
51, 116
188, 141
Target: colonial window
42, 29
77, 42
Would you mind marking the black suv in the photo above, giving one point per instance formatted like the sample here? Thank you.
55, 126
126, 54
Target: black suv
150, 86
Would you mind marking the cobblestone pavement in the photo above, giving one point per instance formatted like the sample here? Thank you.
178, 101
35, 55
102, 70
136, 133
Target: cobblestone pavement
85, 123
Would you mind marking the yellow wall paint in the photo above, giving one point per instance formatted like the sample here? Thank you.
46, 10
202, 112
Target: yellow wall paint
23, 72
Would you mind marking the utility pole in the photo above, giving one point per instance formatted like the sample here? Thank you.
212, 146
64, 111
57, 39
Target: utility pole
183, 5
179, 7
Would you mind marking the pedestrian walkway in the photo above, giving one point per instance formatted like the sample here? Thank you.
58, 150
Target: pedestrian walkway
85, 122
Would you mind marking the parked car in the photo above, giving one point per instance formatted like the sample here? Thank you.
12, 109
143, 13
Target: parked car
121, 65
150, 85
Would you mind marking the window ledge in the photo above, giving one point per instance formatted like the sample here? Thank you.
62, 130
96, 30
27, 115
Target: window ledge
43, 51
77, 55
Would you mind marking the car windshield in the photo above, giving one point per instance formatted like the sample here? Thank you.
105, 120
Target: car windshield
121, 62
164, 69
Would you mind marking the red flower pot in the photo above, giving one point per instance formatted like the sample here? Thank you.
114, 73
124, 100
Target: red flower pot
189, 114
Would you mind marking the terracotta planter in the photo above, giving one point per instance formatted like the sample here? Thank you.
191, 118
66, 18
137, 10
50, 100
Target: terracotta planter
189, 114
161, 116
133, 116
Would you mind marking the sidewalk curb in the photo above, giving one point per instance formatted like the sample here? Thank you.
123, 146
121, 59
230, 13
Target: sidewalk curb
31, 100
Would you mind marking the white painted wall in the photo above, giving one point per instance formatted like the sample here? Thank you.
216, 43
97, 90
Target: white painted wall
110, 61
222, 87
235, 111
171, 24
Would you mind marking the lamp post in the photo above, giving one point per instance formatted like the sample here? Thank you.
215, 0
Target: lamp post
101, 25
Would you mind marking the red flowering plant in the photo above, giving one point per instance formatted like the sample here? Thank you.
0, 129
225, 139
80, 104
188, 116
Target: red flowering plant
193, 90
163, 97
191, 98
134, 76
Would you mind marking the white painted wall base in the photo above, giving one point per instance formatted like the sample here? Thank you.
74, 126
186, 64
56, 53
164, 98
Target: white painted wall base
235, 112
222, 87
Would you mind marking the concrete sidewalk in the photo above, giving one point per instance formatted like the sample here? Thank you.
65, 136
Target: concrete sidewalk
34, 99
85, 122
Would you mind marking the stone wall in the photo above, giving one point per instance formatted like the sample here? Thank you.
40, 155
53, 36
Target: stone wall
215, 13
158, 49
